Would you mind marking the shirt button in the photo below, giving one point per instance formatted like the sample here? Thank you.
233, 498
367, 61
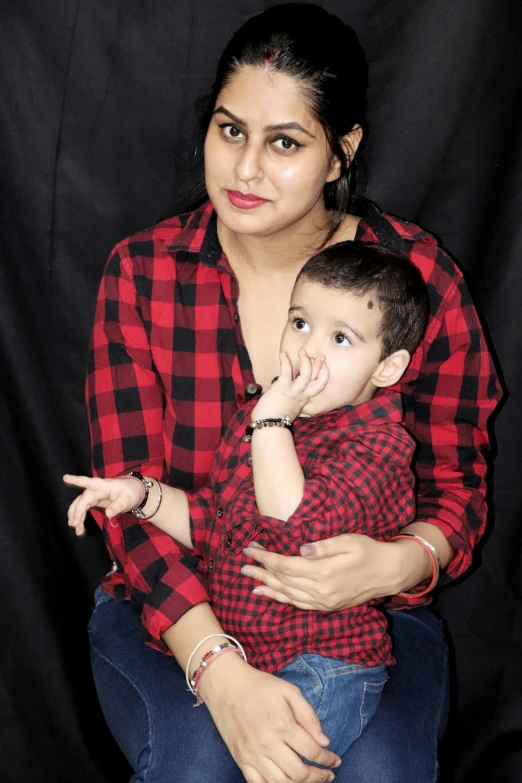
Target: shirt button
236, 317
252, 388
249, 460
228, 543
210, 565
219, 512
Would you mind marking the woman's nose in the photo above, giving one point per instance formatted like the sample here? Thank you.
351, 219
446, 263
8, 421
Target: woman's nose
248, 168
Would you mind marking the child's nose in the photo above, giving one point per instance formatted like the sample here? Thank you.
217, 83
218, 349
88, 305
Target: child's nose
312, 347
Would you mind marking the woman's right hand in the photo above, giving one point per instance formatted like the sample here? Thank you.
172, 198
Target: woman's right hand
114, 495
265, 723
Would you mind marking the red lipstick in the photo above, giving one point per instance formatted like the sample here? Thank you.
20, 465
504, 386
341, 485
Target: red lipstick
245, 200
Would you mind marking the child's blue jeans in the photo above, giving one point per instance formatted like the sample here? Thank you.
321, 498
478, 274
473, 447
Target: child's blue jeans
344, 695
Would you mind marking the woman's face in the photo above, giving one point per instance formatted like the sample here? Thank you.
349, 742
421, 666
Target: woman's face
266, 158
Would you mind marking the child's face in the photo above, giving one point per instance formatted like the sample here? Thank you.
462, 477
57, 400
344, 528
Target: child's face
343, 327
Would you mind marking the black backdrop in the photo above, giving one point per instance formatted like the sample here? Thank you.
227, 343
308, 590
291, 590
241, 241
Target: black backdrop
96, 108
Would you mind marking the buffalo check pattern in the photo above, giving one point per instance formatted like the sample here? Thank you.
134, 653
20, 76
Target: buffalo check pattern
168, 369
356, 462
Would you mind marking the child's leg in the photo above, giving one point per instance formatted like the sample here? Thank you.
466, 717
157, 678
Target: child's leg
345, 696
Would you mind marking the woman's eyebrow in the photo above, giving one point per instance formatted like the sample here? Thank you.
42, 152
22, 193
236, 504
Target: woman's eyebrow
227, 113
279, 126
289, 126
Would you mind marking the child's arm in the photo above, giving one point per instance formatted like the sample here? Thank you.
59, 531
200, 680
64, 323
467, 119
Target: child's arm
278, 476
126, 492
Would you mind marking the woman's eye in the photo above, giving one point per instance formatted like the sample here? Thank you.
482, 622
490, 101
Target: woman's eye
231, 131
285, 144
301, 325
341, 339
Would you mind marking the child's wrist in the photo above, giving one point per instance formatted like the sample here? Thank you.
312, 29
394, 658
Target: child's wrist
275, 408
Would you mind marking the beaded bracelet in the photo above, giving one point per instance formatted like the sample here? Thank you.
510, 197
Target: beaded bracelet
285, 422
191, 680
210, 658
434, 557
137, 511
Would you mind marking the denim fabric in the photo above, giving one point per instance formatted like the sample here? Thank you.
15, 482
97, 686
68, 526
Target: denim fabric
344, 696
150, 713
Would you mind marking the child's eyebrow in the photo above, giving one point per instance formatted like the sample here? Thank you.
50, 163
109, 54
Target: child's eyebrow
351, 328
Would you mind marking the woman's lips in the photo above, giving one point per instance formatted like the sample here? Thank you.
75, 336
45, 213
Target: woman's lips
245, 200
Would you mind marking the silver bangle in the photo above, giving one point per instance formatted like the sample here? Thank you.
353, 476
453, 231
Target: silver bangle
160, 498
198, 645
436, 560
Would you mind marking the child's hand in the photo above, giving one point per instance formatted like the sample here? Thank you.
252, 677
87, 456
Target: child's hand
288, 395
115, 495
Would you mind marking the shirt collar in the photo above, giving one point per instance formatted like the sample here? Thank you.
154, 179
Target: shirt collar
211, 250
384, 408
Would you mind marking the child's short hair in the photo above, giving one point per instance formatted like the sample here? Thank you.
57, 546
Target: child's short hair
365, 267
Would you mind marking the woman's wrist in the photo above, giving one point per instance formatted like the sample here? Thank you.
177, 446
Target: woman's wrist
226, 672
435, 537
412, 566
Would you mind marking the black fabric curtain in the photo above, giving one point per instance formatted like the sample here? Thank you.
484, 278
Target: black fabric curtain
96, 108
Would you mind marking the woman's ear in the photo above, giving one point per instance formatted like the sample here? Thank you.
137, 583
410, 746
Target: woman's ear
391, 369
350, 144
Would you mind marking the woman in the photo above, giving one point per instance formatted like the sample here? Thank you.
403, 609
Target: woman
187, 327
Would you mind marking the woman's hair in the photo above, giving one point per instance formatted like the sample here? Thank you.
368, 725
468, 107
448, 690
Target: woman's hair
397, 285
323, 54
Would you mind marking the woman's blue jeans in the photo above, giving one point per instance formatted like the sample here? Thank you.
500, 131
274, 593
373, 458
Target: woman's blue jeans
150, 713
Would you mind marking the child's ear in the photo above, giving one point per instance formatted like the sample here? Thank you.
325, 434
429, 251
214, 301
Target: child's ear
391, 369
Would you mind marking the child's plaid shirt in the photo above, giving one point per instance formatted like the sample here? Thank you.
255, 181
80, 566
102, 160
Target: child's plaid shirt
356, 462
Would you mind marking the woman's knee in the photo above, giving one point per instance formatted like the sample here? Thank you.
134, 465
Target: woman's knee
147, 707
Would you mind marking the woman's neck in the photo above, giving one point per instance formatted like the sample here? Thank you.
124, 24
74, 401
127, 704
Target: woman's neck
284, 252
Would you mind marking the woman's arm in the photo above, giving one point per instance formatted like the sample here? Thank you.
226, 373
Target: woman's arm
263, 720
125, 406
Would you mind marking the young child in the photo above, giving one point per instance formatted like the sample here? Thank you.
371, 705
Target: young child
315, 456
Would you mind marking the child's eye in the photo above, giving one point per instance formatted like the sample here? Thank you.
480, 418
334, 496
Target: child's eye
341, 339
285, 144
231, 132
301, 325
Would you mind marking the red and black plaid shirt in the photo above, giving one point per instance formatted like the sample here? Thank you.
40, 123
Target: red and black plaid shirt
356, 462
168, 368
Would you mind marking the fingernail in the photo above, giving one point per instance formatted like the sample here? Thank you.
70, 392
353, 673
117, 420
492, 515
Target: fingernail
246, 571
257, 591
247, 551
323, 737
338, 763
307, 550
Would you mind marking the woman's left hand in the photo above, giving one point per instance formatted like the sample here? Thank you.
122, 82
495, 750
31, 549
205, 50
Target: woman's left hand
332, 574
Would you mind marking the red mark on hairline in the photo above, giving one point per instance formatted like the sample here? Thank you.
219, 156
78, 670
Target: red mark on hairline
269, 59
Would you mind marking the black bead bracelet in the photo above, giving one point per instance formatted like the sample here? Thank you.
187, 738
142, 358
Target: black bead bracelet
285, 422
